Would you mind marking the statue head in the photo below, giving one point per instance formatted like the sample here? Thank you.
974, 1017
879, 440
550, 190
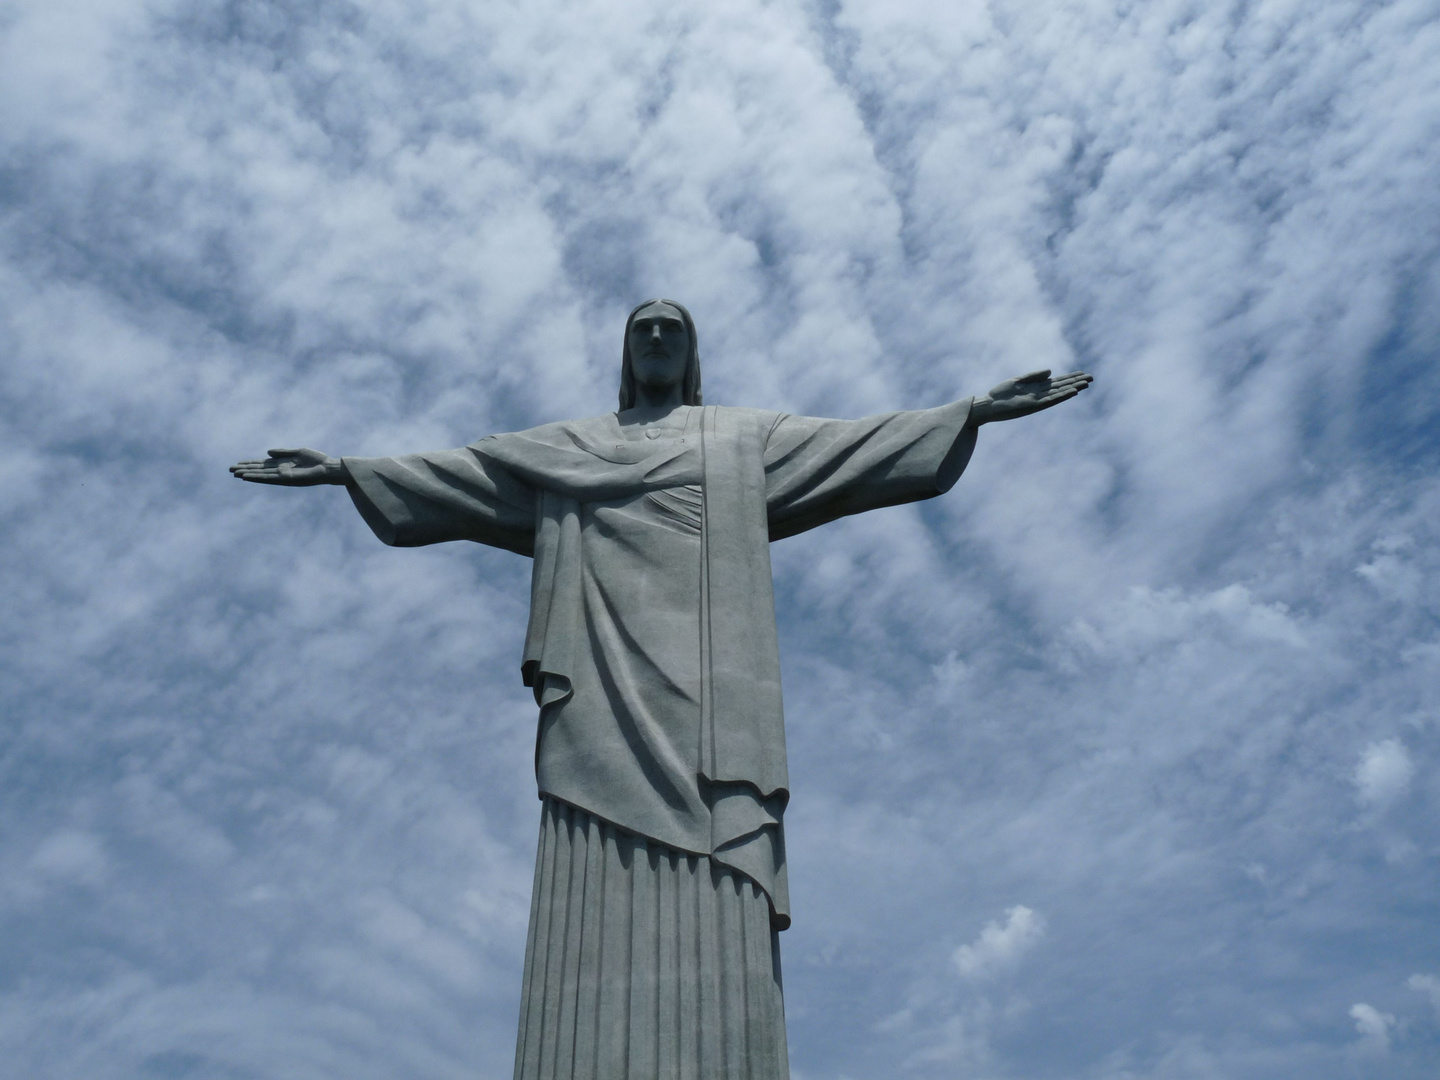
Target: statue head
660, 336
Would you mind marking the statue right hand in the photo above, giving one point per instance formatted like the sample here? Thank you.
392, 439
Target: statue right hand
293, 468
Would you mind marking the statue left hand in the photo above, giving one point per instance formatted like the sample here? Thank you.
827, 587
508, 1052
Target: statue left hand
292, 468
1026, 394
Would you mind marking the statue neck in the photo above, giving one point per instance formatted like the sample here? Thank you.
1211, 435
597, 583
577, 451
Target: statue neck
658, 397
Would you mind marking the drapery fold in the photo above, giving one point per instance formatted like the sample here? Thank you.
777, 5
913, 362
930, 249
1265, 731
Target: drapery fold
742, 770
711, 777
645, 963
742, 715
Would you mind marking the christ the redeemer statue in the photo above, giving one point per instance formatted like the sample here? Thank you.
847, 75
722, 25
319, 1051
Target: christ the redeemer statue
660, 877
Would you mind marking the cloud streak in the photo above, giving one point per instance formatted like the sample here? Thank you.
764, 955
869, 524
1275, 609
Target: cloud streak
999, 947
1164, 664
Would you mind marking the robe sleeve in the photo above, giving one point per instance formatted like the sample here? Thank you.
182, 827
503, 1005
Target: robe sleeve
428, 498
818, 470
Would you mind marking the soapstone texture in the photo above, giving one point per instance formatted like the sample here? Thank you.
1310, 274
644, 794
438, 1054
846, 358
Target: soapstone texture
645, 961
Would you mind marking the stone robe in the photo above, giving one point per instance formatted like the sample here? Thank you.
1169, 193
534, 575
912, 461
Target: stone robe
651, 647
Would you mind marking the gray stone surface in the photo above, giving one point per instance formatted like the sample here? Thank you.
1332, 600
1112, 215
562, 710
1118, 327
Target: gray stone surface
651, 647
645, 961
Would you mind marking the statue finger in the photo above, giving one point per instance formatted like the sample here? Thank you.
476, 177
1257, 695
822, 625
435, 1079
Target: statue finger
1048, 400
1035, 376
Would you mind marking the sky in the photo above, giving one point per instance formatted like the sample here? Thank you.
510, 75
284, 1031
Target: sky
1120, 761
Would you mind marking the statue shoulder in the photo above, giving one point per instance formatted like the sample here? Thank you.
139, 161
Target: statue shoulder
564, 434
743, 418
603, 430
746, 413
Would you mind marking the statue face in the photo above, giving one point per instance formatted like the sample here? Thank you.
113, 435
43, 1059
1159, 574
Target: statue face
659, 346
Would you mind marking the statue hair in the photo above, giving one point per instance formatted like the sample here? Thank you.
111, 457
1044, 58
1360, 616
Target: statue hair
690, 387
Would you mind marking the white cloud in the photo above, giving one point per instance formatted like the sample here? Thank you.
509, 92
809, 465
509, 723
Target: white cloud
1373, 1025
1383, 773
1394, 577
1122, 662
1000, 946
71, 856
1428, 985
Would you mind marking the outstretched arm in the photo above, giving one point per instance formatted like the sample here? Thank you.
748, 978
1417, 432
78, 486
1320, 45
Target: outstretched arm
818, 470
293, 468
416, 499
1026, 394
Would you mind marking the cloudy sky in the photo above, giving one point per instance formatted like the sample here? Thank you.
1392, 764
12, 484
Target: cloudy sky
1119, 762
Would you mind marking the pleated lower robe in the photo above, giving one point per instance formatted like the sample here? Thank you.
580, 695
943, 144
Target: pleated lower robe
645, 963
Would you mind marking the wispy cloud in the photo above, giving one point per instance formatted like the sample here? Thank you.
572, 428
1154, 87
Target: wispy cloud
1000, 946
1428, 985
1384, 772
1165, 664
1373, 1026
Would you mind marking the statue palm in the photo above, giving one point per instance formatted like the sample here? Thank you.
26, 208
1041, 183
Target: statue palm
1027, 394
292, 468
